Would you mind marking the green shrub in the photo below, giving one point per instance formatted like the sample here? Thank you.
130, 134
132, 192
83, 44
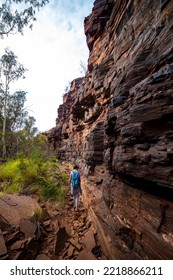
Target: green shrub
28, 175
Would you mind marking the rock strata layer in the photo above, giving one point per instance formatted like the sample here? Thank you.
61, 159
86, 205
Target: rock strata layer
116, 123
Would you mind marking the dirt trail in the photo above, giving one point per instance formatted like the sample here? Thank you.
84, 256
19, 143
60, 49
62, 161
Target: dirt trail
68, 233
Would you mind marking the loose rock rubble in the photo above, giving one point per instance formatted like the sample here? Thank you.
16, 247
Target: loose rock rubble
70, 233
62, 233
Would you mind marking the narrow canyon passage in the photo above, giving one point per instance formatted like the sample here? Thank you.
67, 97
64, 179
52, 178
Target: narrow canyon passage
72, 235
56, 232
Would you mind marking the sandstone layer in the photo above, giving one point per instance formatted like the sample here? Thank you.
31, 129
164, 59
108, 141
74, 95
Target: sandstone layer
116, 123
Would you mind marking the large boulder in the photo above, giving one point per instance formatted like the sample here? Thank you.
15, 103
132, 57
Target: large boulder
14, 208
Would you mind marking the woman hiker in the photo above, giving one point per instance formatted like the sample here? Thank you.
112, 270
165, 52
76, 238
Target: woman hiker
75, 183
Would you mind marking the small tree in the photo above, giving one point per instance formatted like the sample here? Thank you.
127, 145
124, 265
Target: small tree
10, 70
15, 110
14, 20
25, 137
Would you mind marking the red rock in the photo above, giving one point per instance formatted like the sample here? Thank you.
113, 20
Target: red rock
84, 255
89, 241
42, 257
13, 208
70, 251
28, 228
3, 248
18, 256
117, 126
75, 244
61, 238
18, 245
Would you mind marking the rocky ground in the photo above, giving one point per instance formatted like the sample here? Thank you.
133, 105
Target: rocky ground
62, 233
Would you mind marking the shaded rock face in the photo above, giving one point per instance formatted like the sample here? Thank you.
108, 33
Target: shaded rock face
117, 124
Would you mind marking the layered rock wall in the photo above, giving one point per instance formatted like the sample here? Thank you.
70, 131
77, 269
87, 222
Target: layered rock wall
117, 124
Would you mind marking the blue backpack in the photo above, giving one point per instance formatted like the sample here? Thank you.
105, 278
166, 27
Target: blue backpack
75, 179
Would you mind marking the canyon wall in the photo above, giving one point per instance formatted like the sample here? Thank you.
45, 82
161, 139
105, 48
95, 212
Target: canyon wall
116, 123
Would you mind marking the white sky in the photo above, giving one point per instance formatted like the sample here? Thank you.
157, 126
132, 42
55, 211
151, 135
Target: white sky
52, 53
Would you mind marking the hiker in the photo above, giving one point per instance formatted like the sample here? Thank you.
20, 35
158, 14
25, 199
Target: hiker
75, 185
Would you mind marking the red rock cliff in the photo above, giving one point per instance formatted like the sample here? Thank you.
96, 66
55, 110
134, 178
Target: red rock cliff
117, 124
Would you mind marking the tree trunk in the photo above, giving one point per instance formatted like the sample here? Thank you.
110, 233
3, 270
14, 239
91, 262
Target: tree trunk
4, 152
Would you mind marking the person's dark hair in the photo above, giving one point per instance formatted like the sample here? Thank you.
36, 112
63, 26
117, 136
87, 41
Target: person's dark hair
75, 167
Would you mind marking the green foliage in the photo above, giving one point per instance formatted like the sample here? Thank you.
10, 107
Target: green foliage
16, 113
32, 147
14, 20
37, 215
31, 175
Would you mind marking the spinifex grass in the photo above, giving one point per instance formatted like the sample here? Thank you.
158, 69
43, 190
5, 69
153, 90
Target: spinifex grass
27, 176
